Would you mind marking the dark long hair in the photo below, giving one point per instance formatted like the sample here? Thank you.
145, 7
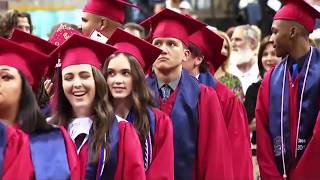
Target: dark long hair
264, 43
101, 114
141, 96
29, 117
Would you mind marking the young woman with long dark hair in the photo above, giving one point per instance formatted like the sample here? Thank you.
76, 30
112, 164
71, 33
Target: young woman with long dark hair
32, 149
133, 101
106, 147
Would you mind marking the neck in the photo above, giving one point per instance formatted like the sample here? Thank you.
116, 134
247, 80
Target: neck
195, 72
245, 67
168, 76
122, 108
82, 112
8, 115
299, 50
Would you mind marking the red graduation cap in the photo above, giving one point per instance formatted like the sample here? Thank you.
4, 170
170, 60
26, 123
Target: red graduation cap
170, 24
210, 45
33, 42
31, 63
143, 51
82, 50
300, 11
113, 9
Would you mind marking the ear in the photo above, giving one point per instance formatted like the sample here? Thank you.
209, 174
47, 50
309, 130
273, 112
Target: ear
186, 54
293, 31
103, 23
253, 44
198, 60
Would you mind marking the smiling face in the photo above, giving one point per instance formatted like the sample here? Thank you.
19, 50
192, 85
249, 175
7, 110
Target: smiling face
79, 87
269, 58
119, 77
10, 88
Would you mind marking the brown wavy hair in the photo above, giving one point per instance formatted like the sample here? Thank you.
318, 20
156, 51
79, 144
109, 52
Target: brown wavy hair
101, 114
10, 21
141, 96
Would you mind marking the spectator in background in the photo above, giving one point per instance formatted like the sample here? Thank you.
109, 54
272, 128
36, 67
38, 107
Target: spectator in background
15, 19
135, 29
223, 73
245, 41
266, 60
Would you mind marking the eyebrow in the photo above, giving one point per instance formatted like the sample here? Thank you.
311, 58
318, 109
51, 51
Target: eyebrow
5, 69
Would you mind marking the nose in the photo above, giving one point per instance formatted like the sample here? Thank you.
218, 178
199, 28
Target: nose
77, 83
118, 79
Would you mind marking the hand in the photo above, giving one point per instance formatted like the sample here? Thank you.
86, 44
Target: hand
48, 86
252, 125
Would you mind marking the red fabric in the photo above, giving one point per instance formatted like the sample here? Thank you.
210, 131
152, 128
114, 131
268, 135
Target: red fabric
113, 9
72, 155
213, 160
267, 165
299, 11
143, 51
17, 162
81, 50
162, 166
167, 106
238, 130
130, 161
170, 24
210, 45
31, 63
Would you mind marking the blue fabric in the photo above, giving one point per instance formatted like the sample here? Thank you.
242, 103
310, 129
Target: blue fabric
151, 117
185, 122
113, 140
3, 142
309, 108
294, 71
207, 79
49, 155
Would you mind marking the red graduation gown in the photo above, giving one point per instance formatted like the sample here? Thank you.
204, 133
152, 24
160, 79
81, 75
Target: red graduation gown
162, 165
129, 159
213, 160
18, 161
237, 125
307, 166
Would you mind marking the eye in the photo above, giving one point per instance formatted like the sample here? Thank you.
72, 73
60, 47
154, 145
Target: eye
85, 75
172, 43
156, 43
7, 77
110, 73
126, 73
84, 20
68, 77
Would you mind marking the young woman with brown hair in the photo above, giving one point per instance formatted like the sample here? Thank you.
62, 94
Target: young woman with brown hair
133, 101
102, 143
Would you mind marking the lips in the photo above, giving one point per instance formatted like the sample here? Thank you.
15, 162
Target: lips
79, 93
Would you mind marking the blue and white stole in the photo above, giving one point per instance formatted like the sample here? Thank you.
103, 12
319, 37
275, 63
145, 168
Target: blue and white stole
279, 127
49, 155
207, 79
105, 170
3, 141
184, 117
147, 150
